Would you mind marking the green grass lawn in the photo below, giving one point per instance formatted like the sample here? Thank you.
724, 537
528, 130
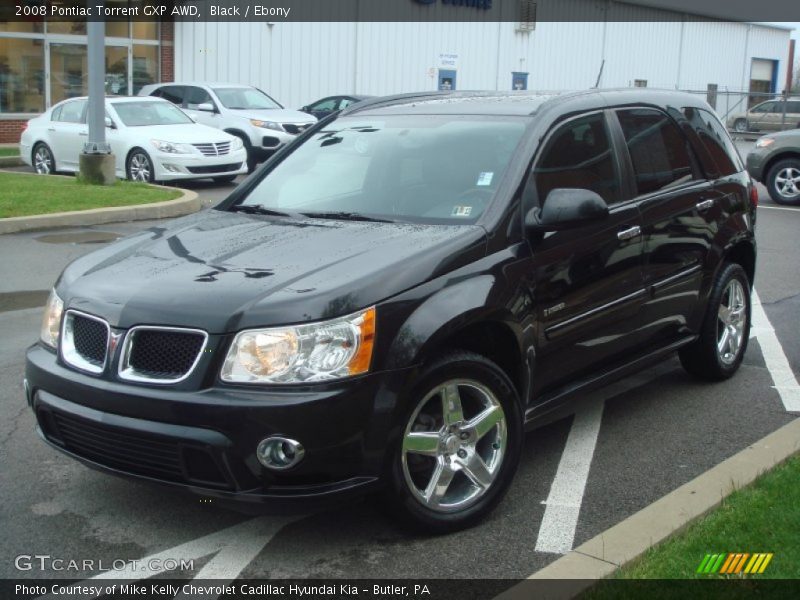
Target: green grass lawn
23, 195
763, 517
9, 151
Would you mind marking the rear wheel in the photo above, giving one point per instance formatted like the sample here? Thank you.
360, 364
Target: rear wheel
740, 125
783, 182
719, 351
460, 444
43, 161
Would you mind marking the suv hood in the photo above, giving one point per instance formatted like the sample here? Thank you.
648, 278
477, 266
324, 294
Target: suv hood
223, 272
278, 115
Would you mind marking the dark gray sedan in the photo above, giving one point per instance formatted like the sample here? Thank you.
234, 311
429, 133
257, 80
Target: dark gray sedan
775, 162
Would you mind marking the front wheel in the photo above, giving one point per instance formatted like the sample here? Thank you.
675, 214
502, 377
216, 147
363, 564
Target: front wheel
783, 182
140, 166
719, 350
460, 446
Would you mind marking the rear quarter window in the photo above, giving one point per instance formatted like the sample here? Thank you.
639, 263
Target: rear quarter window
722, 157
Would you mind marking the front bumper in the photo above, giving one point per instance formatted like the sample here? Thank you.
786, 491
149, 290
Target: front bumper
755, 165
205, 440
170, 167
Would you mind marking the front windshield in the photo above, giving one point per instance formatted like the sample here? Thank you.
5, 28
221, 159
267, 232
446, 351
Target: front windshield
421, 168
245, 99
141, 114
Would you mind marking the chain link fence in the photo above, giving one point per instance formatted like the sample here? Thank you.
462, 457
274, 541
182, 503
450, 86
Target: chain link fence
752, 112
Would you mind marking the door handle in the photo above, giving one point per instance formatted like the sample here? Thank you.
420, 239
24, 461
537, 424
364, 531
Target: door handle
51, 129
83, 133
630, 233
704, 205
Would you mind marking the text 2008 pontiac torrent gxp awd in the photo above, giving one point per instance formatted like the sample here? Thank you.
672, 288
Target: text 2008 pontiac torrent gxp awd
394, 298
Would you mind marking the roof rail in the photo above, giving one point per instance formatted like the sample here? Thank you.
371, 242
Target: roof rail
393, 99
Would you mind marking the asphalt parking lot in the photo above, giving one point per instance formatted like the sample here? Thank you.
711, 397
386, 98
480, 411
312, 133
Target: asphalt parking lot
627, 446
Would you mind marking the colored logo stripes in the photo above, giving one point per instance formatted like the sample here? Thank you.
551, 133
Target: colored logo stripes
734, 563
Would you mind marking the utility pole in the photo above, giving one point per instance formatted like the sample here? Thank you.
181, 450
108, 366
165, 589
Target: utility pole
96, 162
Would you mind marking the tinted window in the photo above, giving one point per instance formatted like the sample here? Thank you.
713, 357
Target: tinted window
173, 93
658, 150
578, 155
71, 112
347, 102
421, 169
326, 104
245, 99
724, 157
765, 107
793, 106
195, 96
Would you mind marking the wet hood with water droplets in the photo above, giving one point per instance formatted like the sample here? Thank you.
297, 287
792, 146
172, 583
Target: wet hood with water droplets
223, 271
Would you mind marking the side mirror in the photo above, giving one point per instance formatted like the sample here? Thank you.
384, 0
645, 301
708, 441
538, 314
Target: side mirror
565, 208
304, 109
206, 107
110, 123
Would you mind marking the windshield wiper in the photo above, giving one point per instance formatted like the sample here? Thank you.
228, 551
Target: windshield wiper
260, 209
346, 216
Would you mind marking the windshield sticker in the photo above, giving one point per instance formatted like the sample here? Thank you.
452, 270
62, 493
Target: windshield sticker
485, 178
461, 211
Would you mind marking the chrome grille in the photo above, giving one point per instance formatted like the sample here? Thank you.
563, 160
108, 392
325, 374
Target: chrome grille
295, 128
214, 149
84, 341
161, 354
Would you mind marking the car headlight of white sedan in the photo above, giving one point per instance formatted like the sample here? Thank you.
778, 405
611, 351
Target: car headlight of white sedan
320, 351
236, 144
172, 147
266, 124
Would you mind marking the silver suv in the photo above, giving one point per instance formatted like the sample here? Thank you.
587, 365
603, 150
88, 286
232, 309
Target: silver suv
241, 110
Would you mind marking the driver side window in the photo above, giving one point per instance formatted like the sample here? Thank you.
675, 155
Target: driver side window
578, 155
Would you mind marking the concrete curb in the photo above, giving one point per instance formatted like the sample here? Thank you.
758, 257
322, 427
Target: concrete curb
11, 161
602, 555
188, 203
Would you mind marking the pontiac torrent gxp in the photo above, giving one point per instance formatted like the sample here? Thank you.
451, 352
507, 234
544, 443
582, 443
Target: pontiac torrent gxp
393, 299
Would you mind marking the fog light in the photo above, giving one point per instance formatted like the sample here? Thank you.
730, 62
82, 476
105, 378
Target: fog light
279, 452
171, 168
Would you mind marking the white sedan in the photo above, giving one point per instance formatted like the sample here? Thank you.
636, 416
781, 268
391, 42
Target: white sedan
152, 140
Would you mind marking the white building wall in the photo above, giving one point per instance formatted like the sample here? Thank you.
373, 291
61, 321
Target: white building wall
300, 62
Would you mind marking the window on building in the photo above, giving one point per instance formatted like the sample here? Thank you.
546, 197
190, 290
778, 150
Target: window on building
67, 27
724, 157
22, 77
658, 150
68, 71
145, 66
578, 155
22, 26
640, 83
116, 70
145, 30
117, 29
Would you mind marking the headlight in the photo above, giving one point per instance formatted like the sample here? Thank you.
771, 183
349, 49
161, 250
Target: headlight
51, 321
265, 124
304, 353
764, 142
172, 148
237, 143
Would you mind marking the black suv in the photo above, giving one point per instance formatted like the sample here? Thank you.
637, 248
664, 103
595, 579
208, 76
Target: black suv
393, 299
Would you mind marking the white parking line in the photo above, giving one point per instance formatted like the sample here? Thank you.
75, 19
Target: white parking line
777, 364
780, 208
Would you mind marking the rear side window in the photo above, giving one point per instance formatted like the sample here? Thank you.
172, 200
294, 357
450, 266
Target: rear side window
173, 93
793, 106
56, 114
578, 155
659, 152
724, 157
71, 112
196, 96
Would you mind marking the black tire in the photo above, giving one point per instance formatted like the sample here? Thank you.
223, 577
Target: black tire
252, 159
502, 443
44, 163
139, 166
777, 188
224, 179
740, 125
703, 358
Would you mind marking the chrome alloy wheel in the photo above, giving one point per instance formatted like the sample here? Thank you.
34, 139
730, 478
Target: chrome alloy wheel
454, 444
731, 322
140, 167
787, 182
43, 161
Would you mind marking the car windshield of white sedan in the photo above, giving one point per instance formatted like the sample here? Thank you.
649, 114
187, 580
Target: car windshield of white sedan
420, 168
142, 114
244, 99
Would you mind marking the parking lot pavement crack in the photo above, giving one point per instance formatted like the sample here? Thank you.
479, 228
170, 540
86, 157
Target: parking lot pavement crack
15, 419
